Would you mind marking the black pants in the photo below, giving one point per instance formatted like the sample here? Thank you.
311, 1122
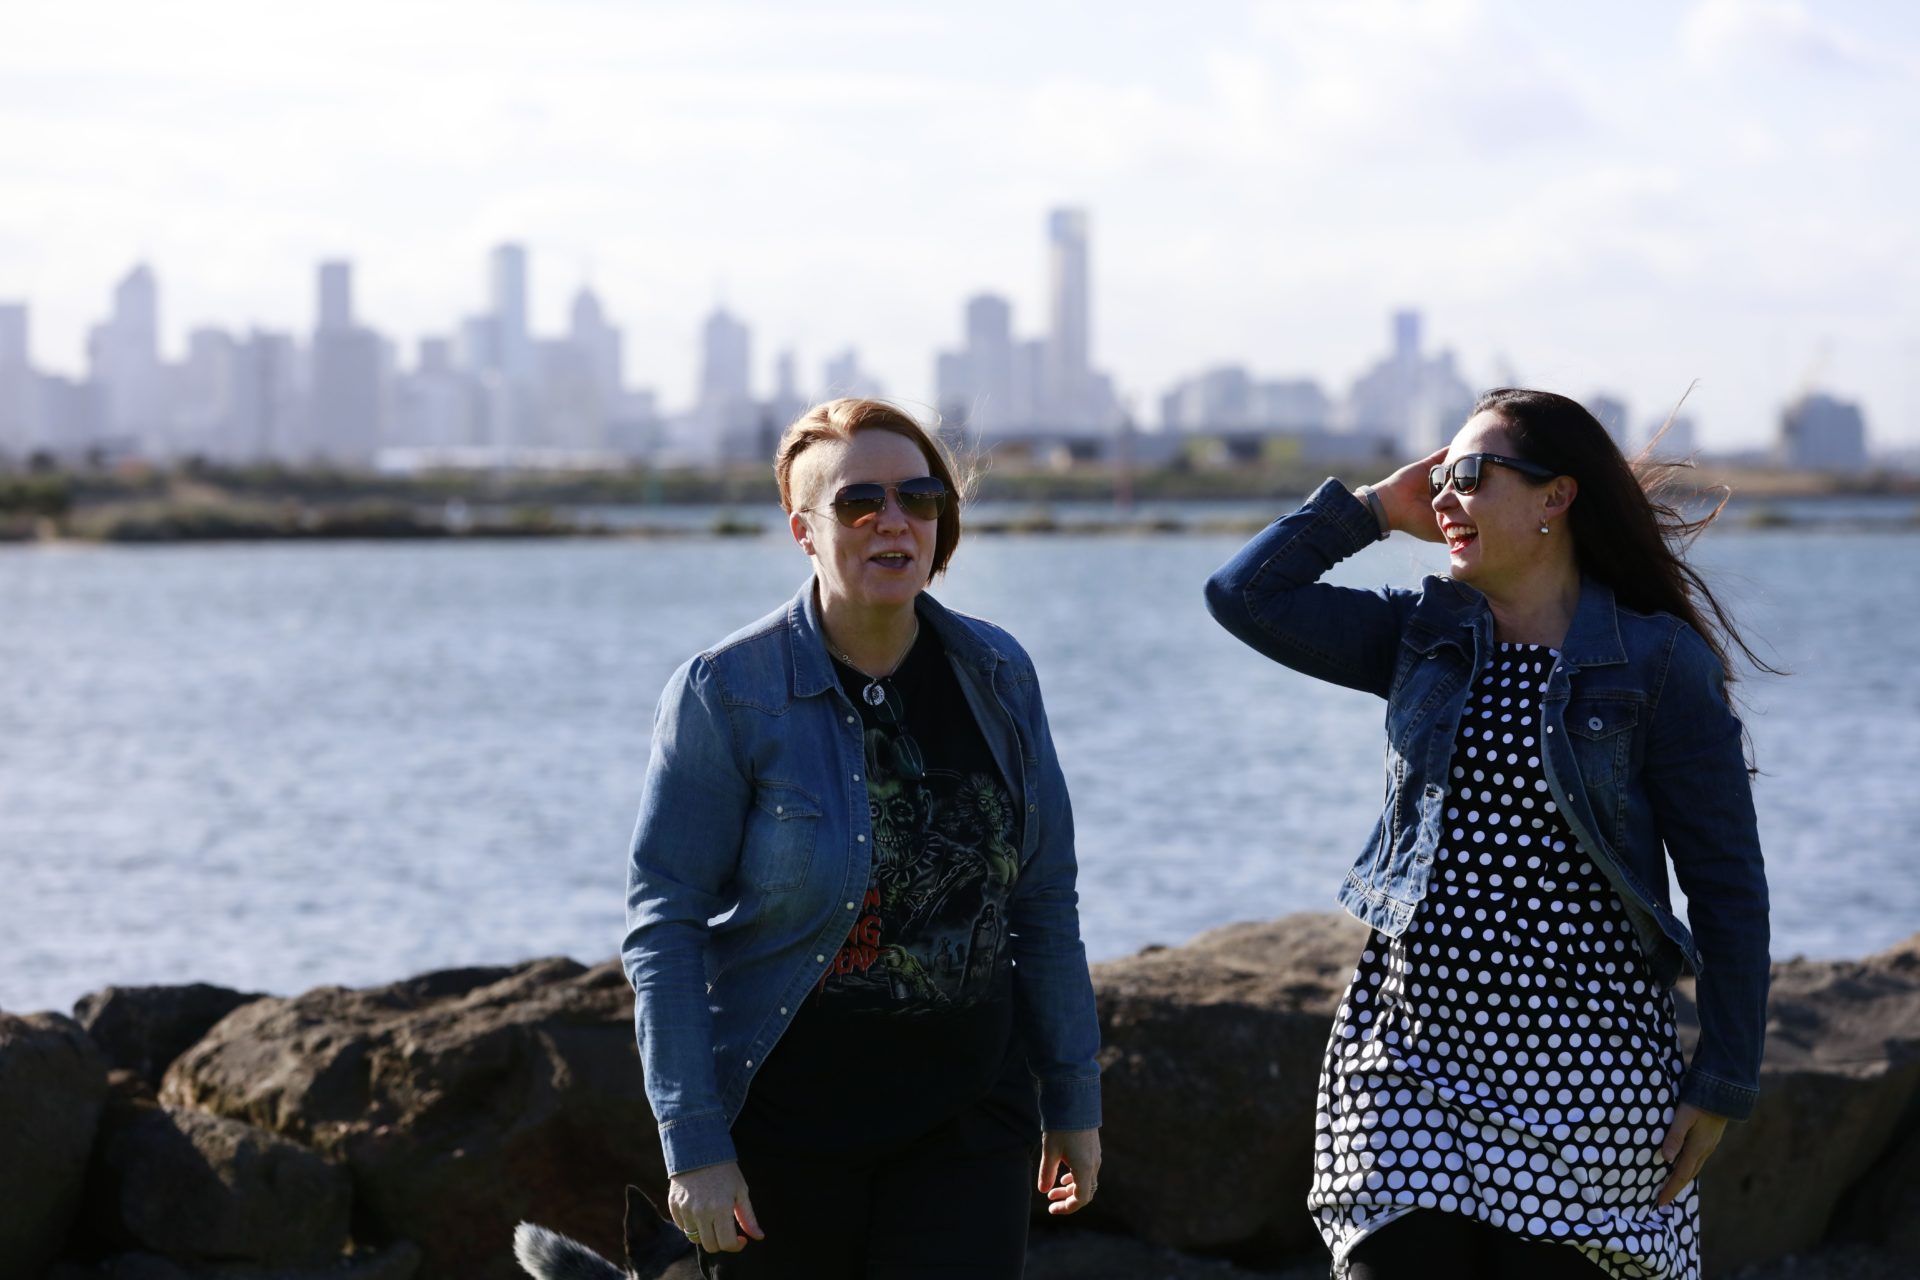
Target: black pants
1432, 1245
939, 1207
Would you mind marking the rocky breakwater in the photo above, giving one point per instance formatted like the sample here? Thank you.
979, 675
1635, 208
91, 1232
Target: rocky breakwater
402, 1131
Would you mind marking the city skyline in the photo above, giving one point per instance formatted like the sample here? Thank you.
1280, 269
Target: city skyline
1630, 198
489, 389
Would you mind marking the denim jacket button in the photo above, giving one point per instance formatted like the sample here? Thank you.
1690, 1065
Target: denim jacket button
856, 777
1594, 724
860, 839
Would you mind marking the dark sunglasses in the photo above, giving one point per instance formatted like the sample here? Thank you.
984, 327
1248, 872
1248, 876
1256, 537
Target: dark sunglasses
923, 498
1465, 471
904, 757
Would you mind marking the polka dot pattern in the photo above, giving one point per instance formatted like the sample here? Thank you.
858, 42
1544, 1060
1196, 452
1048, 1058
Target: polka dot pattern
1508, 1057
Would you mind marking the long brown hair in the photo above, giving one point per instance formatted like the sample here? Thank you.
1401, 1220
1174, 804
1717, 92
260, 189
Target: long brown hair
1629, 528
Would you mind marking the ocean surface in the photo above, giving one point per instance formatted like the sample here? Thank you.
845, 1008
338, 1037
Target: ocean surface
274, 766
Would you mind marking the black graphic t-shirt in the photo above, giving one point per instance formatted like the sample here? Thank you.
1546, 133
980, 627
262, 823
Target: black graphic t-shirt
912, 1023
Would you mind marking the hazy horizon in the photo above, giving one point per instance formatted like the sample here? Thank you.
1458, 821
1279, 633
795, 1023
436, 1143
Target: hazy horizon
1623, 198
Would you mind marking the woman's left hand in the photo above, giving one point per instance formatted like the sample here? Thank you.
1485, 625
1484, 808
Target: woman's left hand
1694, 1135
1079, 1150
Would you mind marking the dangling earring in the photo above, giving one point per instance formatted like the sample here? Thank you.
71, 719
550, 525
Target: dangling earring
1543, 527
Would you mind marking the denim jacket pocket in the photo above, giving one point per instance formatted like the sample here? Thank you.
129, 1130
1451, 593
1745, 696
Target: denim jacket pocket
1600, 730
780, 835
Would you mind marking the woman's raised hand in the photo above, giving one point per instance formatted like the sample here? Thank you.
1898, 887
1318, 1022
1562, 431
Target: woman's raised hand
709, 1204
1408, 499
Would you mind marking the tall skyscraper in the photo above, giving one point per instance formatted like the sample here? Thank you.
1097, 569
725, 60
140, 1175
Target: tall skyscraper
336, 296
18, 432
347, 405
1068, 336
507, 293
601, 344
123, 355
726, 365
990, 361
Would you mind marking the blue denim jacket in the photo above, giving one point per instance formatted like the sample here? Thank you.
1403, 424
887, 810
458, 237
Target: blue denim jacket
753, 851
1642, 753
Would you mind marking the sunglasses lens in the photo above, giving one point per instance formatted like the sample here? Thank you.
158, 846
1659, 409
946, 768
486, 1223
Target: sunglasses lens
858, 503
907, 760
924, 498
1436, 480
1466, 474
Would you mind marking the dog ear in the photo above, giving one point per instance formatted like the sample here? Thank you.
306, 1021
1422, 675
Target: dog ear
651, 1248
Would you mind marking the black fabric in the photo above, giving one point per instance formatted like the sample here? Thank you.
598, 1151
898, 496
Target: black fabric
952, 1203
1428, 1245
914, 1019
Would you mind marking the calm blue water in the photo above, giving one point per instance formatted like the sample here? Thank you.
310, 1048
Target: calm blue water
274, 766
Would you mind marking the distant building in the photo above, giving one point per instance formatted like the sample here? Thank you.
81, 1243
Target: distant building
205, 411
1821, 433
1069, 336
1611, 412
996, 384
974, 386
336, 296
1672, 439
266, 393
843, 376
123, 364
1416, 400
1230, 399
507, 292
19, 428
346, 404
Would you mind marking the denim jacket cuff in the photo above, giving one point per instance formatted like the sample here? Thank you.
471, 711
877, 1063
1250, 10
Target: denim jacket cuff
696, 1142
1351, 515
1717, 1096
1067, 1105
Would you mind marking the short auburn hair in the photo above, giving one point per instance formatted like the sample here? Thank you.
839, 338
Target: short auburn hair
843, 419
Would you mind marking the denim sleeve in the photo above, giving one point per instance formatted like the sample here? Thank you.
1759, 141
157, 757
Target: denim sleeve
1702, 799
1269, 595
686, 844
1053, 992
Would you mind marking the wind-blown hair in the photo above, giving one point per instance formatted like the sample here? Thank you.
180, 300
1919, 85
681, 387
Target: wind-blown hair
1628, 527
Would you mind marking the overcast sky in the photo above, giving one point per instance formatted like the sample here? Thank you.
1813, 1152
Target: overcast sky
1618, 195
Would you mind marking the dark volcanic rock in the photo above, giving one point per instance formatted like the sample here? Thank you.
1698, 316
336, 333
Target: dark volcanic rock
143, 1029
53, 1084
199, 1187
1836, 1096
1209, 1072
463, 1102
1213, 1054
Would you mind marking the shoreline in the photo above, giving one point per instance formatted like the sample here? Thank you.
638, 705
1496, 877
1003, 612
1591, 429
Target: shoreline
172, 523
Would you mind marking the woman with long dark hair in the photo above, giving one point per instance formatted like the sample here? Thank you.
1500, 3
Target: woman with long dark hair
1503, 1088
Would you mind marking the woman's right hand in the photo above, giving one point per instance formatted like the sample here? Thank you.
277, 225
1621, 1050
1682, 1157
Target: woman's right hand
709, 1204
1409, 500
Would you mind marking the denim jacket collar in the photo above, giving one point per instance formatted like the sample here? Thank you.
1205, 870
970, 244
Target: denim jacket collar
1593, 637
813, 669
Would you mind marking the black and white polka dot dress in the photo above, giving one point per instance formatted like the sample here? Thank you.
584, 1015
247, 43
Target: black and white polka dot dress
1507, 1057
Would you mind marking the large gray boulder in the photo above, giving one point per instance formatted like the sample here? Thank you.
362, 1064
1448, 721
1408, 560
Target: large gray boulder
1211, 1060
196, 1187
53, 1084
1836, 1096
143, 1029
462, 1102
